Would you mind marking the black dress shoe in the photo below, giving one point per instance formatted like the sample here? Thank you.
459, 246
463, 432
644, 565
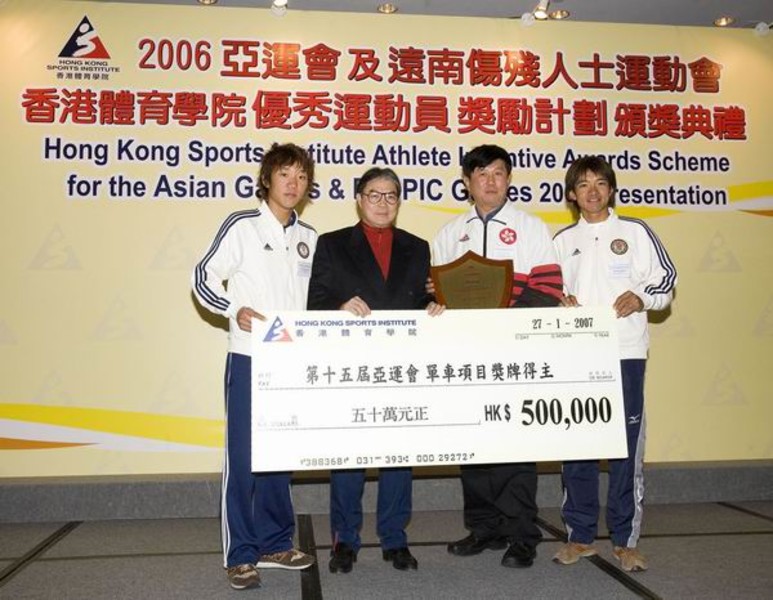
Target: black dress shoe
472, 545
401, 558
519, 555
342, 559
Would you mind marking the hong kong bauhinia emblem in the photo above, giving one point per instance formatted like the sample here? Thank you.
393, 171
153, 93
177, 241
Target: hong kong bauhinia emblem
508, 236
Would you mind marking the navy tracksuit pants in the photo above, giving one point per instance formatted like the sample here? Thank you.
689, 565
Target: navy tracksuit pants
580, 509
393, 507
256, 508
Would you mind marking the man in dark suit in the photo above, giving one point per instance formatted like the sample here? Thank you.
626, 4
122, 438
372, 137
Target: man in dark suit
371, 266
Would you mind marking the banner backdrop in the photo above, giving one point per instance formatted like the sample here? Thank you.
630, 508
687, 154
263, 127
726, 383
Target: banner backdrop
130, 132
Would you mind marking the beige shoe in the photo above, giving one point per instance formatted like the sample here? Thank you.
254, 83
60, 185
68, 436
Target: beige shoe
571, 552
630, 559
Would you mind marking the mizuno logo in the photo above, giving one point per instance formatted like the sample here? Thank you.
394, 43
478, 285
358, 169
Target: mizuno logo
634, 419
576, 252
268, 247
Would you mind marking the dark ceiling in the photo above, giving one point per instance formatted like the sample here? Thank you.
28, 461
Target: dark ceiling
747, 13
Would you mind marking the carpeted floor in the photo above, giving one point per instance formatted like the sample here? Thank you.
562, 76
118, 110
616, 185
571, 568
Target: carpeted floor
713, 550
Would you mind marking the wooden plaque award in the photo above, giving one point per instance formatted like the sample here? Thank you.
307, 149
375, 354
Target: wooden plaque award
472, 281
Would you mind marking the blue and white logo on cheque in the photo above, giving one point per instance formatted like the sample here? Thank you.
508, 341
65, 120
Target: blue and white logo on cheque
278, 332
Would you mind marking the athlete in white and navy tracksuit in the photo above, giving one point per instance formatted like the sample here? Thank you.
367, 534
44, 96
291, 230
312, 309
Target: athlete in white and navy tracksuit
500, 500
506, 233
600, 261
267, 266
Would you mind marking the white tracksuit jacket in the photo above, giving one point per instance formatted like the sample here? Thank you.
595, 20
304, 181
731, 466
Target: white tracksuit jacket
267, 267
508, 233
600, 261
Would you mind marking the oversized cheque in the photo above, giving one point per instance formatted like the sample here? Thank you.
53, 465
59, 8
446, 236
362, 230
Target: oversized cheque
399, 388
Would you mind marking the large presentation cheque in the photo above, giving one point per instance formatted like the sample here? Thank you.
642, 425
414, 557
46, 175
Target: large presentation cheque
400, 388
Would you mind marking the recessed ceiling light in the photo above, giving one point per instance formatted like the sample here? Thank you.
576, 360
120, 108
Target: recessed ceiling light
207, 2
387, 8
541, 10
724, 21
762, 28
559, 15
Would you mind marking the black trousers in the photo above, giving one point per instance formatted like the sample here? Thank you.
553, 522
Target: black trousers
501, 501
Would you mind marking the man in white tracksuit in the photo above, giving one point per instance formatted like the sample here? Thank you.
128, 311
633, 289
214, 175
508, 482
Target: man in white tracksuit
500, 501
265, 257
613, 261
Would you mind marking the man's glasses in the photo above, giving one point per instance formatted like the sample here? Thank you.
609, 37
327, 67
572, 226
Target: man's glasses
388, 197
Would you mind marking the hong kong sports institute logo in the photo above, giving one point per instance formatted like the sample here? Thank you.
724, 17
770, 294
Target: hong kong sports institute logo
278, 332
84, 43
84, 56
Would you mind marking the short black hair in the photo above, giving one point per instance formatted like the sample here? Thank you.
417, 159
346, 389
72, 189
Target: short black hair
594, 164
378, 173
482, 156
284, 155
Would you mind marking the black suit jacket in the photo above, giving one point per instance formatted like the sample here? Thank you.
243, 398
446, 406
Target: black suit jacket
344, 266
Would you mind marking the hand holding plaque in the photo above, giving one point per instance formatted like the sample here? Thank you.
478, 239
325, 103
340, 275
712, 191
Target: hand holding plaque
472, 281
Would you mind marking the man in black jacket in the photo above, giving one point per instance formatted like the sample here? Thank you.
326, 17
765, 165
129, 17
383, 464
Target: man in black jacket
371, 266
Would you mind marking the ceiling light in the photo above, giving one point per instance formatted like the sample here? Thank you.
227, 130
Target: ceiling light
279, 7
762, 28
559, 15
207, 2
540, 12
387, 8
724, 21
